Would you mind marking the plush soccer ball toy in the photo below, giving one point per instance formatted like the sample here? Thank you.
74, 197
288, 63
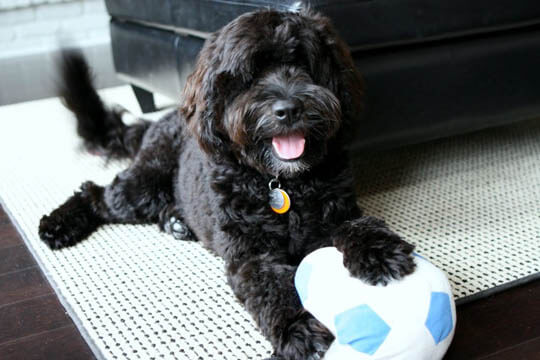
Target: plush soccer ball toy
412, 318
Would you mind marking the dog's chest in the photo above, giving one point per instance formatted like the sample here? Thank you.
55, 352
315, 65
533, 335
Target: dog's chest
250, 222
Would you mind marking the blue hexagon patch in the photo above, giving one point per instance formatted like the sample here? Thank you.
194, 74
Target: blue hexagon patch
439, 321
301, 280
361, 328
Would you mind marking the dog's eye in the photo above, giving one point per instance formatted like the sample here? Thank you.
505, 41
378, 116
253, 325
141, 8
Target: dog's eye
280, 113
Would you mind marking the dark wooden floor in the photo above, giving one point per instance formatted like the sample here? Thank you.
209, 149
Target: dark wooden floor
34, 325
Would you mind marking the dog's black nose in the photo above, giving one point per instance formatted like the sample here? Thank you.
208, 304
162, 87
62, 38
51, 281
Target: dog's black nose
287, 110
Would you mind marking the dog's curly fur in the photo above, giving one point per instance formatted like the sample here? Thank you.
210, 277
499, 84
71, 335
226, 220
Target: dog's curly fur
203, 172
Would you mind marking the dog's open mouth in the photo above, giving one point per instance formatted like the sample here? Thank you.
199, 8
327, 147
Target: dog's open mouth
290, 146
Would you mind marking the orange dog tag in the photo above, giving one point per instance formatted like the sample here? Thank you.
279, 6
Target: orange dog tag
280, 202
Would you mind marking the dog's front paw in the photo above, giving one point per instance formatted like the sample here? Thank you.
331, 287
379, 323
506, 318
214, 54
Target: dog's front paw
372, 252
304, 339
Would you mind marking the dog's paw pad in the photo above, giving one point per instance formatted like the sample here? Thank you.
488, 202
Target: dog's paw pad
52, 233
178, 229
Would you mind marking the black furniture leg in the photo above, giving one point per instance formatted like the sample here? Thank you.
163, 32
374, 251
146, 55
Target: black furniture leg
145, 99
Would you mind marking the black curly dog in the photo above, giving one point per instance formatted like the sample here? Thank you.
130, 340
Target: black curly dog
273, 94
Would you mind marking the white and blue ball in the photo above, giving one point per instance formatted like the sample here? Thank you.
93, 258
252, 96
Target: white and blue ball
411, 318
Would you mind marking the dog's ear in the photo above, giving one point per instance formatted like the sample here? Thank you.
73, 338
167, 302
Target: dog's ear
337, 71
222, 70
348, 83
202, 103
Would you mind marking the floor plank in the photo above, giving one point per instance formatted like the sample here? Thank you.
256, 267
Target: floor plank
9, 236
60, 344
30, 317
491, 325
33, 323
23, 285
15, 258
529, 350
4, 218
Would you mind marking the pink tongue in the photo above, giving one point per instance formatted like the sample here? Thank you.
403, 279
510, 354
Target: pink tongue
289, 147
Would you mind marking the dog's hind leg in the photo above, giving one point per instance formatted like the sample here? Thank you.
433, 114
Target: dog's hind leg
137, 195
74, 220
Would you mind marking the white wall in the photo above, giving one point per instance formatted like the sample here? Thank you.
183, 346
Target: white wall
31, 31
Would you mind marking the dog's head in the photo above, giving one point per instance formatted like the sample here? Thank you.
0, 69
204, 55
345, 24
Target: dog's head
272, 89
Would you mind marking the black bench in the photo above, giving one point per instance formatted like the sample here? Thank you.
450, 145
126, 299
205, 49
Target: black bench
432, 68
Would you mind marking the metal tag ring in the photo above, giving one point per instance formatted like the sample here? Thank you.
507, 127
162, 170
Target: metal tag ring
274, 184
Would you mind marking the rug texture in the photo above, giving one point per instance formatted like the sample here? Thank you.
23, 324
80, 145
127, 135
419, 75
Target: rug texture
471, 204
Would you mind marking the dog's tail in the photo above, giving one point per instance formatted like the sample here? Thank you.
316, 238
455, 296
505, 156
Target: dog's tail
99, 126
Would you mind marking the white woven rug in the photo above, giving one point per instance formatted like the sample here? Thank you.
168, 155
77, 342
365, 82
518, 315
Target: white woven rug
471, 204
